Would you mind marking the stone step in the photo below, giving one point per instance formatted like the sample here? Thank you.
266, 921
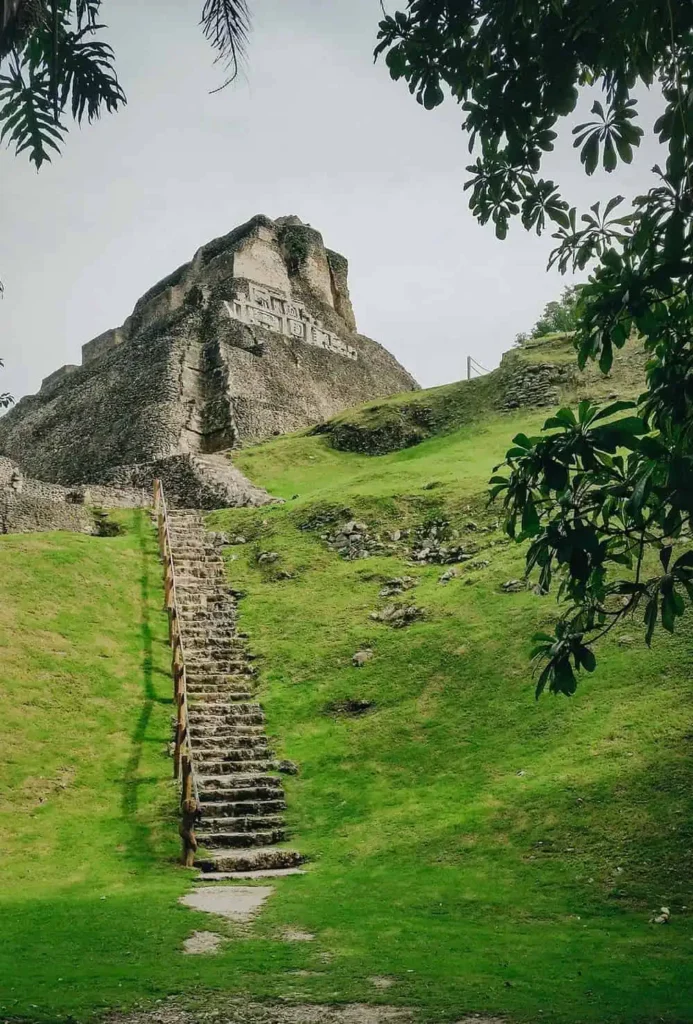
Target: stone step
199, 678
204, 697
209, 565
204, 641
213, 678
237, 749
224, 733
242, 808
214, 628
249, 823
209, 620
199, 721
218, 695
239, 788
212, 742
239, 766
217, 682
226, 709
213, 666
248, 860
228, 745
237, 876
240, 840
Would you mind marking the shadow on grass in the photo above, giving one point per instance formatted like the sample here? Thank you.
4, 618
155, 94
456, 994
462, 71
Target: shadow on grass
140, 848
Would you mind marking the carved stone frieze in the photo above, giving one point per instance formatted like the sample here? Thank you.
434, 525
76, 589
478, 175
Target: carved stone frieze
275, 312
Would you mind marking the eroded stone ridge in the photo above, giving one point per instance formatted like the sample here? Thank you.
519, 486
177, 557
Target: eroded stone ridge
254, 336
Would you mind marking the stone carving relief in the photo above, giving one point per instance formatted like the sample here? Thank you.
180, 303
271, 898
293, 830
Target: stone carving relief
277, 313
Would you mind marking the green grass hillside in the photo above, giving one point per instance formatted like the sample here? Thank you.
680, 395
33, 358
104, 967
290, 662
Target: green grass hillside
400, 421
485, 851
469, 848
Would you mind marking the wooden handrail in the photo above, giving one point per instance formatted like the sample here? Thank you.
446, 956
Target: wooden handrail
183, 759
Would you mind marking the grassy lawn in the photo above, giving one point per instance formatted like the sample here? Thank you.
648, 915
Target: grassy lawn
483, 851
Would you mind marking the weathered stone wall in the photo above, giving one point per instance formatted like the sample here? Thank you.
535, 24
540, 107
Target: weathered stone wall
204, 363
193, 481
30, 506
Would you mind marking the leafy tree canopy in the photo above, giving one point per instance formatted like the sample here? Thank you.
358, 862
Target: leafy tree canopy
558, 316
604, 496
55, 64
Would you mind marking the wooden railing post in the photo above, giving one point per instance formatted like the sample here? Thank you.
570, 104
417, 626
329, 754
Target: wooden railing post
183, 768
190, 814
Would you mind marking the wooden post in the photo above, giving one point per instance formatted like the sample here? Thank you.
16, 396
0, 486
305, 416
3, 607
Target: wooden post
181, 718
189, 814
182, 755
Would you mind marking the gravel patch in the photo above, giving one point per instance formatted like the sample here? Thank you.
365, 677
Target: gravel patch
202, 942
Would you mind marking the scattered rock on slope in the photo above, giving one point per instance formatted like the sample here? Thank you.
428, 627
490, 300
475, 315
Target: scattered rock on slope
398, 615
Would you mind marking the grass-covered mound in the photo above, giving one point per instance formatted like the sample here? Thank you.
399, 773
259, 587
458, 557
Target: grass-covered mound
539, 372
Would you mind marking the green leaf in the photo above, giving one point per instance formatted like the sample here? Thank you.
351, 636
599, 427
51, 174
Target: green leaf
587, 659
530, 519
612, 409
590, 154
542, 681
650, 618
685, 561
564, 680
668, 611
610, 158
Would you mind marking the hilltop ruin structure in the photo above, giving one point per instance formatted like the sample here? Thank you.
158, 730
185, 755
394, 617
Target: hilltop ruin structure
254, 336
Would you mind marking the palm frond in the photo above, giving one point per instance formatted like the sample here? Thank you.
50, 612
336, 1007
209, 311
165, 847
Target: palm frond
5, 399
226, 24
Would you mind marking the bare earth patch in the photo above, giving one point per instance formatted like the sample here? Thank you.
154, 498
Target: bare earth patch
235, 902
239, 1012
202, 942
382, 981
294, 935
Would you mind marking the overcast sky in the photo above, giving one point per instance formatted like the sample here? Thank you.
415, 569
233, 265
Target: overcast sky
312, 128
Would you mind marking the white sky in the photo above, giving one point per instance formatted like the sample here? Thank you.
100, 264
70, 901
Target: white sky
313, 128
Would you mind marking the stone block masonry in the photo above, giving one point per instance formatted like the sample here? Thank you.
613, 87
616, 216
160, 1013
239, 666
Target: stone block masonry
254, 336
30, 506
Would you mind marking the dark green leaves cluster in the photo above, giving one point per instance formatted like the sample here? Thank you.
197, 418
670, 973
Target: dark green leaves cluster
53, 63
225, 24
56, 65
594, 497
559, 315
5, 398
612, 134
599, 497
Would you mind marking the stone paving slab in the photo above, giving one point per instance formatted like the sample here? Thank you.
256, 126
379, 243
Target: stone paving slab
231, 876
235, 902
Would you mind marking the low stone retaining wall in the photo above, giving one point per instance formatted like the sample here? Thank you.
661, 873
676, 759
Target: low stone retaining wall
34, 506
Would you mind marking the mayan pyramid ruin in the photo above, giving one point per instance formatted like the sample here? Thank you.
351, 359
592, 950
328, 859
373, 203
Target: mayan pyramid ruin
255, 336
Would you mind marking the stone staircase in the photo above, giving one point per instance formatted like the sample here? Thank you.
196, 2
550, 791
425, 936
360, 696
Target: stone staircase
241, 799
